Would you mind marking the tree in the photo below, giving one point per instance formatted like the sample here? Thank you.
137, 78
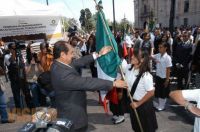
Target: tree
82, 18
87, 20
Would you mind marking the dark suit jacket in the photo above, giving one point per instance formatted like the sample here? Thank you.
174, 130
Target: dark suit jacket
70, 89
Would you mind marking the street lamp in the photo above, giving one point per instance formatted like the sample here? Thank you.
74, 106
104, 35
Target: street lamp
47, 2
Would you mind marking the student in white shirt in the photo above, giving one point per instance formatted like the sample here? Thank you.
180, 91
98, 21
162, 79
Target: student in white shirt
144, 91
163, 65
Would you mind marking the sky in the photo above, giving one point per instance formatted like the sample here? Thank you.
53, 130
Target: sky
71, 8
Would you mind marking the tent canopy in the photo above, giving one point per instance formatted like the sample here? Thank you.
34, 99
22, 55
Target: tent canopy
26, 8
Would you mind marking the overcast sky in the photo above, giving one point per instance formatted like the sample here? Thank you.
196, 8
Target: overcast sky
71, 8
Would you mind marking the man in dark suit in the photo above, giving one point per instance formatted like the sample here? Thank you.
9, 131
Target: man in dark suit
70, 87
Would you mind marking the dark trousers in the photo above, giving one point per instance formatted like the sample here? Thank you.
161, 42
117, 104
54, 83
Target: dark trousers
18, 86
35, 94
117, 109
182, 73
160, 90
16, 93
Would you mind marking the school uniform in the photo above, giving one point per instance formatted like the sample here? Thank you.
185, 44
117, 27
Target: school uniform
146, 111
162, 62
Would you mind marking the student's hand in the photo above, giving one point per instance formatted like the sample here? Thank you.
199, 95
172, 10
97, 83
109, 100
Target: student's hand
194, 110
166, 83
134, 105
120, 84
105, 50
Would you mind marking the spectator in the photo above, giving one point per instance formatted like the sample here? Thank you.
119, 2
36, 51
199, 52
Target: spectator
163, 65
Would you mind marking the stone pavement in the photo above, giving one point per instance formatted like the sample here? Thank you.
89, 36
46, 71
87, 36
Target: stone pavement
173, 119
168, 120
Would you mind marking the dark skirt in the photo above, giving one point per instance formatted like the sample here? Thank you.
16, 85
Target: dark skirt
147, 117
160, 90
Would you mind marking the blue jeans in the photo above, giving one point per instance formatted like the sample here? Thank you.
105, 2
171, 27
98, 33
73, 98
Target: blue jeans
3, 106
34, 89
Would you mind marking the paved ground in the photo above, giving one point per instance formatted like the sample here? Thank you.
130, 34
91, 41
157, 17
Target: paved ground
173, 119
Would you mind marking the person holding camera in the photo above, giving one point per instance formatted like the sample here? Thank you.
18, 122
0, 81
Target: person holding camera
70, 88
45, 57
16, 73
33, 70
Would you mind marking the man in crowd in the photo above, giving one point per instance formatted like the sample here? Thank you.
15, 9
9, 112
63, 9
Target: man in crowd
182, 59
70, 87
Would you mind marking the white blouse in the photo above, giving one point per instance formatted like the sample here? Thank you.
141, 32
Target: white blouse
145, 84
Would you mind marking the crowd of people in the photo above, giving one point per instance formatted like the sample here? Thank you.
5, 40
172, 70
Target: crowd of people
142, 52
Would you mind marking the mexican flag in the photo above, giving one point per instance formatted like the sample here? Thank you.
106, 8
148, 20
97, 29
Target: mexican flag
107, 65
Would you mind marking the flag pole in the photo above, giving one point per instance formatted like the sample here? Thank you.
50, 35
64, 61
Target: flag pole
128, 92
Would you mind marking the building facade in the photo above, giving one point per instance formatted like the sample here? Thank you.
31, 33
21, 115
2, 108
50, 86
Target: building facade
157, 12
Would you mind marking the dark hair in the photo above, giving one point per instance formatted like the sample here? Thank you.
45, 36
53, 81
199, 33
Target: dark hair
28, 55
31, 56
165, 44
145, 64
60, 46
10, 45
42, 46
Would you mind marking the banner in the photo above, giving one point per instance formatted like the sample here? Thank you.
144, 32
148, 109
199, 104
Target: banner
26, 25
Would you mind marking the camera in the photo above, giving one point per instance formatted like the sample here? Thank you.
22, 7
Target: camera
72, 31
60, 125
20, 44
17, 45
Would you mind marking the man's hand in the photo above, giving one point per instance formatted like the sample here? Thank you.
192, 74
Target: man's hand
120, 84
105, 50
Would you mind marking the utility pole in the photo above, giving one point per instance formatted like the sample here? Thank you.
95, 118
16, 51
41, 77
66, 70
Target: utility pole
114, 27
47, 2
172, 14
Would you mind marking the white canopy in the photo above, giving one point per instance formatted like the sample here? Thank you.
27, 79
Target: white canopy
25, 8
24, 17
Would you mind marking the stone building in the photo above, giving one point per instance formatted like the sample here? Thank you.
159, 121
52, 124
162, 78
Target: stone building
157, 12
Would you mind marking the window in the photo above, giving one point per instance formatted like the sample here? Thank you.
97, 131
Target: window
145, 9
185, 21
186, 5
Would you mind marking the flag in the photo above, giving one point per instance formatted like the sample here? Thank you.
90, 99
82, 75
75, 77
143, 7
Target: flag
125, 52
107, 65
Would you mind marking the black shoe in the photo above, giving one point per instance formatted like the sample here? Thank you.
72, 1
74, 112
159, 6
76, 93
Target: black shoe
7, 121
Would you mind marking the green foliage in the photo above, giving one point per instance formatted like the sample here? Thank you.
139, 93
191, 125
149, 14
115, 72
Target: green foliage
87, 20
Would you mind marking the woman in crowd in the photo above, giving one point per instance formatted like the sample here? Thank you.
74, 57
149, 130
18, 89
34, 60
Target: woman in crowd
45, 57
169, 40
140, 82
33, 70
91, 47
